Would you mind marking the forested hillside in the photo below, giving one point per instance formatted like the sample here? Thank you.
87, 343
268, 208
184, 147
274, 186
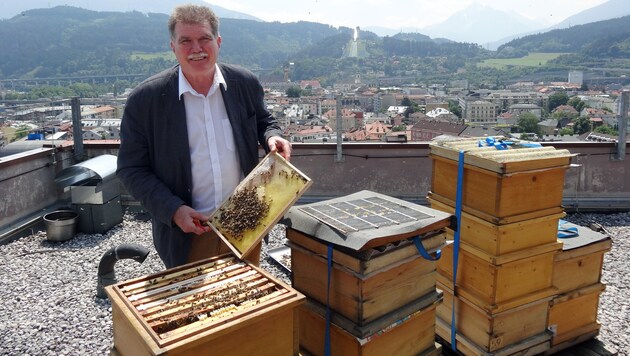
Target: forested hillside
67, 41
610, 38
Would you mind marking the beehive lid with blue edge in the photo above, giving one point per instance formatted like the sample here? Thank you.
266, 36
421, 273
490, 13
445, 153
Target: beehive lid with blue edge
500, 154
365, 220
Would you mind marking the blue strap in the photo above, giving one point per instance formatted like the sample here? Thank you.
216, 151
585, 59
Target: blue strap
504, 145
566, 232
499, 145
423, 251
458, 217
327, 335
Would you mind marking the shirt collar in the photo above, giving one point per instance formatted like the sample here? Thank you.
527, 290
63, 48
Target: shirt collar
184, 85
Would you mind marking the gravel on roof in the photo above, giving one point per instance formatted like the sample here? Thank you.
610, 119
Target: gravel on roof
48, 289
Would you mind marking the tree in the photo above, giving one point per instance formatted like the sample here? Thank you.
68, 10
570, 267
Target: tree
453, 106
606, 130
582, 125
294, 92
565, 131
528, 122
556, 99
577, 103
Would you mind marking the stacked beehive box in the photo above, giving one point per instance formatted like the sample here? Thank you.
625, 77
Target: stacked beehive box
511, 205
381, 293
210, 306
577, 277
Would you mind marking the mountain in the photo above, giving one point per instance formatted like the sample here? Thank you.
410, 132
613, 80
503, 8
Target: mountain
69, 41
608, 10
480, 24
602, 39
9, 9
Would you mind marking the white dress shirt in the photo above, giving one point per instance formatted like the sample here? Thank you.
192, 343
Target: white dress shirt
216, 170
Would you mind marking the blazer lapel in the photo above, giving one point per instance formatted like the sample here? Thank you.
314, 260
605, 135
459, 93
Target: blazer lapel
232, 103
175, 118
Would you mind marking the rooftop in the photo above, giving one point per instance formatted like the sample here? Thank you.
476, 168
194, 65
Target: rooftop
49, 304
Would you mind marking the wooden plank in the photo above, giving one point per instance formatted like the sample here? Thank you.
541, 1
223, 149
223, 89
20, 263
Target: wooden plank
156, 280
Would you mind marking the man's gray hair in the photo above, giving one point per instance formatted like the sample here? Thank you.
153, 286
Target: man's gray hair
193, 14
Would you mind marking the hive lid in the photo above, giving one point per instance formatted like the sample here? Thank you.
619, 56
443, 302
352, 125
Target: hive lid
501, 155
365, 220
98, 169
257, 203
583, 236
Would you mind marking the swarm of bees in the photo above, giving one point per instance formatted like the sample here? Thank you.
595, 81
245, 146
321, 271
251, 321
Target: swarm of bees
244, 212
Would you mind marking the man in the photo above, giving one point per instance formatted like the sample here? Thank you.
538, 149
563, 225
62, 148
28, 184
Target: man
189, 135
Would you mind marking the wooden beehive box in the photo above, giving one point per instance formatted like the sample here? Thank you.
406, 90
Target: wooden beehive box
206, 306
498, 240
412, 334
500, 283
515, 329
363, 290
575, 268
574, 314
512, 184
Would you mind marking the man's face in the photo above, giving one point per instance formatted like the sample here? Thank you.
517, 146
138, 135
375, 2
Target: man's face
195, 48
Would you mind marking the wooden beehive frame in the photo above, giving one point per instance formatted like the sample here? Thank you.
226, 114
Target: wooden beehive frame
185, 301
278, 185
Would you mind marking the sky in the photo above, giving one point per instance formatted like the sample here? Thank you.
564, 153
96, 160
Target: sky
397, 14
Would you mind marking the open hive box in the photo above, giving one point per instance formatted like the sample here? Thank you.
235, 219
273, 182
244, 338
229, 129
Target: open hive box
212, 304
500, 185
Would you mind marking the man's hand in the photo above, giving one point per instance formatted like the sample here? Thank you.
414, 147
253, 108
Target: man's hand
280, 145
189, 220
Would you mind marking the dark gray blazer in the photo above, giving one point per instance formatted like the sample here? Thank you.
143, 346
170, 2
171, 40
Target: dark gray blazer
154, 157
